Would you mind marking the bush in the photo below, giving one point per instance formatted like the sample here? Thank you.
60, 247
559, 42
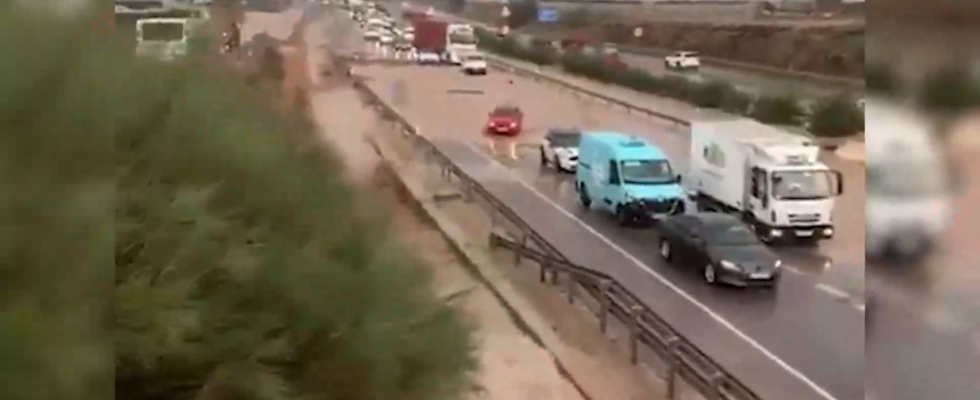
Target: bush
882, 80
777, 110
836, 117
244, 266
711, 94
950, 91
737, 102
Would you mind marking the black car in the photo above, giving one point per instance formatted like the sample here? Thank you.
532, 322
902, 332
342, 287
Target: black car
721, 247
560, 149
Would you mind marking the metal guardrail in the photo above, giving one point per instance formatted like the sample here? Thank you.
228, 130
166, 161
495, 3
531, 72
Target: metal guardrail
683, 359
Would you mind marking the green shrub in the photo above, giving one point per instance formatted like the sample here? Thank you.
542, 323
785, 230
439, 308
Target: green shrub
639, 80
676, 87
836, 117
777, 110
737, 102
880, 79
950, 90
245, 267
711, 94
586, 65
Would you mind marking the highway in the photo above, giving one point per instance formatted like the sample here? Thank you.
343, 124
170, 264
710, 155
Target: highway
743, 79
808, 325
805, 341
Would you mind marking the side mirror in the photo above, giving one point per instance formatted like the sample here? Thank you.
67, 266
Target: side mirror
678, 179
613, 181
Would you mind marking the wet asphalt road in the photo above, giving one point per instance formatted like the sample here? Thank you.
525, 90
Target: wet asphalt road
818, 333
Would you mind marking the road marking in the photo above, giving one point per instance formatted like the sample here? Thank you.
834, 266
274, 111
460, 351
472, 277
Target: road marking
718, 318
832, 291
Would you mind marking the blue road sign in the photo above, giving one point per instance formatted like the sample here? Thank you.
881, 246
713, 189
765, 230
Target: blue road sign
547, 15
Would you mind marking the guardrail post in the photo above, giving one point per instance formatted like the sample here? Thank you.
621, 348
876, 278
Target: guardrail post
605, 306
672, 364
636, 312
519, 251
468, 191
543, 271
571, 286
714, 382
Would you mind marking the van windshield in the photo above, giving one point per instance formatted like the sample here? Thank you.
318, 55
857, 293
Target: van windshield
646, 172
163, 32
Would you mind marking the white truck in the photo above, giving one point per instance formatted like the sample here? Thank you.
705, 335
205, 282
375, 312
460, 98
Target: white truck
910, 184
771, 177
460, 40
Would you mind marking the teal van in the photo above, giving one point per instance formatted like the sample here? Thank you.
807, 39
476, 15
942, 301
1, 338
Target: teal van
627, 176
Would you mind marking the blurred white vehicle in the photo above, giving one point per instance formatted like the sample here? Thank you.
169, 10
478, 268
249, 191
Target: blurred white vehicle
683, 60
428, 57
909, 184
474, 64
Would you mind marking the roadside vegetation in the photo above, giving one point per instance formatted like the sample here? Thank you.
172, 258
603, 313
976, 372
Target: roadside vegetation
837, 116
170, 234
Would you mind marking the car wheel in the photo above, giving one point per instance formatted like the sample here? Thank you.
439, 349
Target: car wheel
583, 196
622, 217
558, 168
667, 64
666, 250
544, 158
710, 275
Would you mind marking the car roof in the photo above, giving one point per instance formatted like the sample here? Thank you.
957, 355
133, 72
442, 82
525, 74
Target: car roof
506, 107
564, 131
711, 220
615, 141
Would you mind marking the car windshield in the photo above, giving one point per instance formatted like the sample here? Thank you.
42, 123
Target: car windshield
462, 37
565, 139
474, 58
164, 32
646, 172
729, 233
802, 185
506, 112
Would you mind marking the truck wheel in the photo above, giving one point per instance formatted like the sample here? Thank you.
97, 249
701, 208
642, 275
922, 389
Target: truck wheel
583, 196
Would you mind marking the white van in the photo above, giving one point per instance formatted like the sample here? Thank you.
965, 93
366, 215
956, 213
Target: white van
162, 38
909, 184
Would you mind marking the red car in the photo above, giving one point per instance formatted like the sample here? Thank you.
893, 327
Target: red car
505, 120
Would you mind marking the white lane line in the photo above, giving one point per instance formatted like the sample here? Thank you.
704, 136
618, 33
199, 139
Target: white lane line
715, 316
832, 291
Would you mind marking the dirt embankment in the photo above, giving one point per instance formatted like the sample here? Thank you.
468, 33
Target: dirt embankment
825, 47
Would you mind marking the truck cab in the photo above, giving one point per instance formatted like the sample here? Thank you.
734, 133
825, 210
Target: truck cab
771, 177
628, 177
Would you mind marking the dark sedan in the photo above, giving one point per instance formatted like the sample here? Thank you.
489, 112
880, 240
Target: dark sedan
721, 247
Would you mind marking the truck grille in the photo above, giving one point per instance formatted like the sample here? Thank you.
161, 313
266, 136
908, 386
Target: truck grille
664, 206
804, 218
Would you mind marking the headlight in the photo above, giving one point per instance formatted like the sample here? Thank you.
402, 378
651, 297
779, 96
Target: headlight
513, 124
779, 264
730, 266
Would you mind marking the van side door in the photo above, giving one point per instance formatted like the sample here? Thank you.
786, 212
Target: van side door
612, 193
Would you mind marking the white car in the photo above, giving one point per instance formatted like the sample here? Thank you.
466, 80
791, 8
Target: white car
474, 64
559, 148
429, 57
682, 60
372, 35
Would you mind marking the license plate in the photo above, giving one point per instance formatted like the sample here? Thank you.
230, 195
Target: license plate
804, 233
760, 276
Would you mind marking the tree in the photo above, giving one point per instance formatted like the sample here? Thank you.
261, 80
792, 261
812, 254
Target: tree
522, 12
244, 266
